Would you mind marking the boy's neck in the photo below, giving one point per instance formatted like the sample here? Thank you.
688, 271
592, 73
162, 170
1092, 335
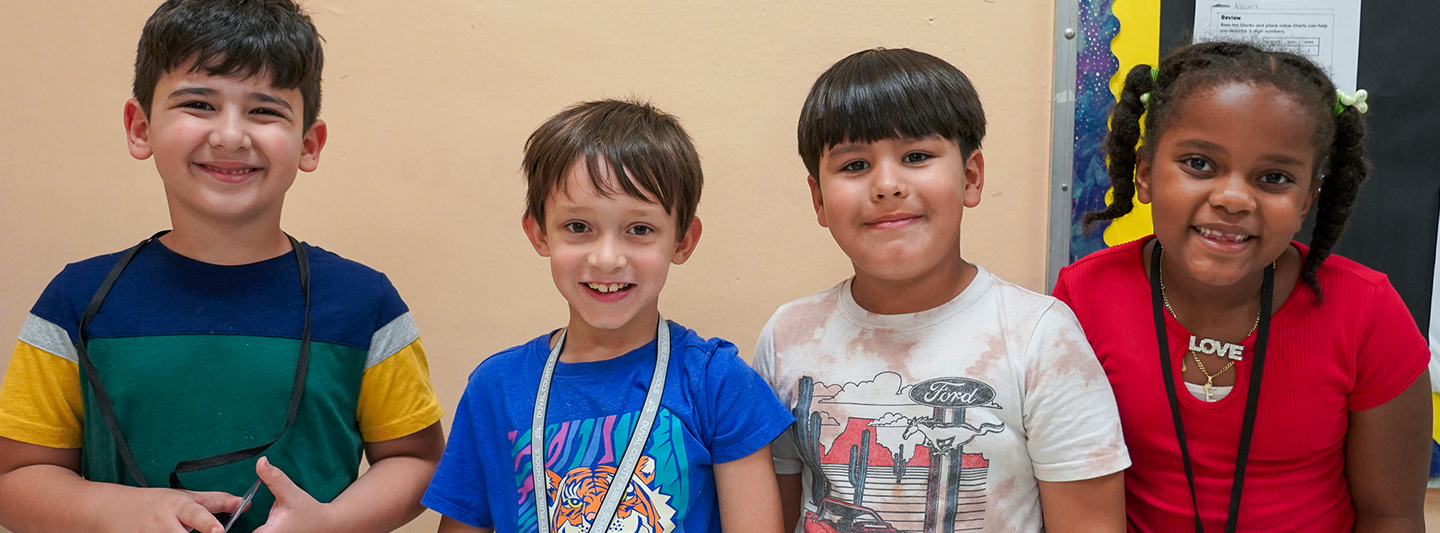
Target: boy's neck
926, 291
226, 245
587, 344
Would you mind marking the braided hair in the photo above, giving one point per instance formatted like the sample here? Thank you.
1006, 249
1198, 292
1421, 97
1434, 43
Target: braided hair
1339, 139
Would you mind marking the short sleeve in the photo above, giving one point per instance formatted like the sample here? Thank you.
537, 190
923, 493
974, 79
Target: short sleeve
1071, 420
1391, 353
785, 452
396, 396
744, 413
458, 489
40, 399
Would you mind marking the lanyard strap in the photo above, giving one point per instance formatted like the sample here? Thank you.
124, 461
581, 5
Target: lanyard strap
107, 409
1252, 400
626, 469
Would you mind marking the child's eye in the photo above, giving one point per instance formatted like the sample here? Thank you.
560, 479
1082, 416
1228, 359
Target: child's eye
576, 227
916, 157
268, 111
1198, 164
855, 166
1274, 178
198, 105
642, 230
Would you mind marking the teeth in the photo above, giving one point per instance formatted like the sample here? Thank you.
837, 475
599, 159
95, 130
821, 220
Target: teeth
608, 288
1223, 236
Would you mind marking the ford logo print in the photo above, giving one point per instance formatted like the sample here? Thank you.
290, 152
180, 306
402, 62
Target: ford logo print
952, 392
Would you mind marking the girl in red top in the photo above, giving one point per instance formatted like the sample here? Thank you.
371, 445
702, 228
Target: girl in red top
1292, 394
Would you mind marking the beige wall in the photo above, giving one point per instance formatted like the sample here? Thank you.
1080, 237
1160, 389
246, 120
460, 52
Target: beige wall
429, 103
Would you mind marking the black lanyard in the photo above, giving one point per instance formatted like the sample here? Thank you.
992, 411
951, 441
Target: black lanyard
1252, 400
107, 410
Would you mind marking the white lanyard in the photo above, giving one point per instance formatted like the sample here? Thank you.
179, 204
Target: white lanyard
632, 450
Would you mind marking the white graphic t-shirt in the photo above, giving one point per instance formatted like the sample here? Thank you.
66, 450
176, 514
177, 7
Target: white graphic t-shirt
941, 420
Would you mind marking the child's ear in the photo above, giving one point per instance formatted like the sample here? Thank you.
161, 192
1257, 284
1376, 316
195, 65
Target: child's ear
536, 234
687, 243
1317, 183
818, 200
974, 177
137, 130
310, 146
1142, 179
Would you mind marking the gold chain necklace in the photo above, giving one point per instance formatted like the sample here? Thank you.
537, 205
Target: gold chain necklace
1209, 386
1209, 346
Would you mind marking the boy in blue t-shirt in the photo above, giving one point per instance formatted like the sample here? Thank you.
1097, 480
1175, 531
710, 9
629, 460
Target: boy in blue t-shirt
224, 339
613, 188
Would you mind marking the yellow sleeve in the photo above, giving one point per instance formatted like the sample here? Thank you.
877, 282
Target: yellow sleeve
396, 397
40, 399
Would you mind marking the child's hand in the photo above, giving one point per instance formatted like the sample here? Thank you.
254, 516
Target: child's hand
294, 509
154, 509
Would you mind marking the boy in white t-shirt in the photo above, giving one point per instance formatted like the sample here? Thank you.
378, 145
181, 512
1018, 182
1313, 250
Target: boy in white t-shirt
929, 394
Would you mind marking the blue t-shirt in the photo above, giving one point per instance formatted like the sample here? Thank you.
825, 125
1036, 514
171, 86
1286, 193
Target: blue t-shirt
715, 409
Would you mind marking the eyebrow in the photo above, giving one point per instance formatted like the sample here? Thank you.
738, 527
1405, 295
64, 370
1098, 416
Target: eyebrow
271, 99
846, 149
210, 93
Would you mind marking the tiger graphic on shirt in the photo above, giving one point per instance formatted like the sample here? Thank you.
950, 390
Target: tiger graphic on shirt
576, 497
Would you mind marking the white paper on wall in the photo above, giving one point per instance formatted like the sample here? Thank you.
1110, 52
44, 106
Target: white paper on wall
1326, 31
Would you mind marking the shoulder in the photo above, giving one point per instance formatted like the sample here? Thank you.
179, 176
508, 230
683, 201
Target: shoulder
510, 362
354, 295
1030, 314
1104, 262
69, 292
808, 311
697, 350
1345, 274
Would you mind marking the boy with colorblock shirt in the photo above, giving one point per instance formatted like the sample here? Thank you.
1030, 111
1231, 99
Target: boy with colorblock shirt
548, 429
213, 339
930, 395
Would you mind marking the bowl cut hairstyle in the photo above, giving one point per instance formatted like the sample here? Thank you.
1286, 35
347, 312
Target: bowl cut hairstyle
649, 154
241, 38
880, 94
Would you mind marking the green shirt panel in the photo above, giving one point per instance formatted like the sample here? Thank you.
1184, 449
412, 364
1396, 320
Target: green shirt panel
186, 397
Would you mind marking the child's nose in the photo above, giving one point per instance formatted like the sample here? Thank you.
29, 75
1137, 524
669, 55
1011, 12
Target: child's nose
608, 255
887, 183
229, 132
1232, 193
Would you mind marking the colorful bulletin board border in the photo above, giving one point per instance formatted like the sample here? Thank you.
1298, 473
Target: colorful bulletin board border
1114, 36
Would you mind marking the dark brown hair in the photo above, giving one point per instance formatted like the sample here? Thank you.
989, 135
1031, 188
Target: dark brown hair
881, 93
240, 38
650, 155
1339, 139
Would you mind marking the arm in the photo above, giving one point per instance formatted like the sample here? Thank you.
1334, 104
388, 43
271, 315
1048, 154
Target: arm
791, 491
451, 525
749, 499
42, 491
385, 498
1387, 453
1088, 505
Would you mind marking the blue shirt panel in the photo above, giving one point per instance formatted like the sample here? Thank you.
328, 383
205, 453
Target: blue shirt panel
164, 293
715, 409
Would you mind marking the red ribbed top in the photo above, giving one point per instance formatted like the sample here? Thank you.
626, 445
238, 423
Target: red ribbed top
1357, 350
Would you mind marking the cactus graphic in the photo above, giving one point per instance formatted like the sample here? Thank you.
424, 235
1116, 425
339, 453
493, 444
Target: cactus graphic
897, 459
807, 432
860, 465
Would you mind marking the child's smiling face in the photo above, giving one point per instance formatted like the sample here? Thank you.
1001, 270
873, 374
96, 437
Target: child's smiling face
1230, 180
227, 148
609, 256
894, 206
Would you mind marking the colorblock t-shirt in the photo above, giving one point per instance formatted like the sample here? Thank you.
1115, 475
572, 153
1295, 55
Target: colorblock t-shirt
940, 419
1355, 350
714, 410
199, 359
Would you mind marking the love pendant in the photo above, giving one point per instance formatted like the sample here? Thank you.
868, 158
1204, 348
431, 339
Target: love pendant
1214, 347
